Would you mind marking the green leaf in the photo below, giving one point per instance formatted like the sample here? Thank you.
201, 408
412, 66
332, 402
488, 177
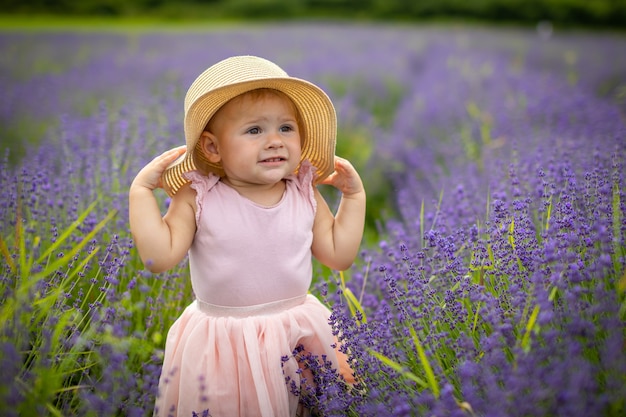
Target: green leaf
68, 256
529, 327
67, 232
430, 375
399, 368
353, 303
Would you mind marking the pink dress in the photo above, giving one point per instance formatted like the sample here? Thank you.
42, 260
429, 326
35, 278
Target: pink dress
250, 271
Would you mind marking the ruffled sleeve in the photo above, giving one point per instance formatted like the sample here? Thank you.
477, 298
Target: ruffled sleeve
304, 182
202, 184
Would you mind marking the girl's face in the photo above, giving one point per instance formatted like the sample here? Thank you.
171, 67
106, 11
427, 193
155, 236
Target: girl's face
256, 138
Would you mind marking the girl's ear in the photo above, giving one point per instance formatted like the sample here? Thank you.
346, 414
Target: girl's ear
209, 145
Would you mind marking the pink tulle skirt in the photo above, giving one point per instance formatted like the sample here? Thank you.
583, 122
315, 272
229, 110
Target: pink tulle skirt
227, 360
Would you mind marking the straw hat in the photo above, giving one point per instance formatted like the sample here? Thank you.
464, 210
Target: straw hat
234, 76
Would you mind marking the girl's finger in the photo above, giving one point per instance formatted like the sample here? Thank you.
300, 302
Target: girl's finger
170, 155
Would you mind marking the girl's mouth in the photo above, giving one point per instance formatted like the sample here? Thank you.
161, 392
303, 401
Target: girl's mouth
277, 159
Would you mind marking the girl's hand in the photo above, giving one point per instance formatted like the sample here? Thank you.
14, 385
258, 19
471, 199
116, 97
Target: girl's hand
345, 178
150, 175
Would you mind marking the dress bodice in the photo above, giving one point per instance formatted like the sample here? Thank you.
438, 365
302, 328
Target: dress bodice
244, 253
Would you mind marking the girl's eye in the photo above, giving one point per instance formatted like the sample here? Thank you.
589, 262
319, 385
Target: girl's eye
286, 128
254, 130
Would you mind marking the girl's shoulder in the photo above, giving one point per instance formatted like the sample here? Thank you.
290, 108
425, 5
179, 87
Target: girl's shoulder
186, 194
306, 175
198, 187
304, 182
201, 183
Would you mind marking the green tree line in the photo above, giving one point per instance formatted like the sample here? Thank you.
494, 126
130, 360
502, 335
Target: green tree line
566, 12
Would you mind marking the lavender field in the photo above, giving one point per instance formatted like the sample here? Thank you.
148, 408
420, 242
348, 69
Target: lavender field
492, 280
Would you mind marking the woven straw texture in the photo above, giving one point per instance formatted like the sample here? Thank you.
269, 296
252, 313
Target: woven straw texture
237, 75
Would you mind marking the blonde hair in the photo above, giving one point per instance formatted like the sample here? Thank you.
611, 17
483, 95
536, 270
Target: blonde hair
259, 94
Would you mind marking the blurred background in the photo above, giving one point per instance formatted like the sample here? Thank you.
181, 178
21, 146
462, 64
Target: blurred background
490, 136
587, 13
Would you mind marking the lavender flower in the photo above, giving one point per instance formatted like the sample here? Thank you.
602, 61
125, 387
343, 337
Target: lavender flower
492, 278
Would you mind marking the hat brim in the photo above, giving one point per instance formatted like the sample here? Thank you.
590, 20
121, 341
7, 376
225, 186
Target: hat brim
316, 111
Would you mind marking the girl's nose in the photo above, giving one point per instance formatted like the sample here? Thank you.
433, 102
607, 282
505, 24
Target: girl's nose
274, 141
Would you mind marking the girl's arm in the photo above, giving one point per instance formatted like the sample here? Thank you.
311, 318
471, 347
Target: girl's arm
336, 238
162, 242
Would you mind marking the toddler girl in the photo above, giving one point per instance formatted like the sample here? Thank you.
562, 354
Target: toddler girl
246, 210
